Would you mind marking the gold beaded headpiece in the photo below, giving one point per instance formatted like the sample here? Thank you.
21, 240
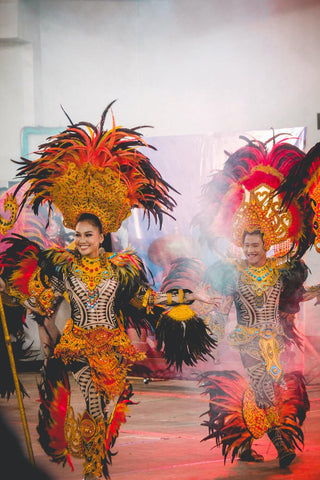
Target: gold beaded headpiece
260, 210
242, 197
86, 169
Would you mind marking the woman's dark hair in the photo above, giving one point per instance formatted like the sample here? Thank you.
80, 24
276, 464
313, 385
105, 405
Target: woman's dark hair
255, 232
89, 217
94, 220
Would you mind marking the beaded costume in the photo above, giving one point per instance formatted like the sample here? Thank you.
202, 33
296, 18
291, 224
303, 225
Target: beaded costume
102, 173
240, 200
261, 332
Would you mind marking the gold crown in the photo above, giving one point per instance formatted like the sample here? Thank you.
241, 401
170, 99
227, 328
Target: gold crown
86, 189
260, 210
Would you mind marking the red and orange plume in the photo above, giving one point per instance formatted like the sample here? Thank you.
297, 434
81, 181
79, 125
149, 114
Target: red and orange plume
86, 169
241, 197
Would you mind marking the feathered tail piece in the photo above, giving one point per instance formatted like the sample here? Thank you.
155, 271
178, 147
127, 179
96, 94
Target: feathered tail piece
54, 391
226, 424
235, 420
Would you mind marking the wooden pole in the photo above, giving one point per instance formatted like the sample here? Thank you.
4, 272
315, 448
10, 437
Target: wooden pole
16, 381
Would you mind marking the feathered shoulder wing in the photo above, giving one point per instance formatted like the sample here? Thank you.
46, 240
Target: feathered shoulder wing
129, 269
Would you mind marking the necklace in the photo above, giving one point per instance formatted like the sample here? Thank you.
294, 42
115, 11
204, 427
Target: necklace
260, 278
92, 273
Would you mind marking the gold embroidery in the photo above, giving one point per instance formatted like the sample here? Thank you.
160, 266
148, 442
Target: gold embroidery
109, 353
11, 204
260, 209
257, 419
92, 273
259, 278
269, 346
314, 194
270, 351
72, 435
86, 439
86, 188
44, 296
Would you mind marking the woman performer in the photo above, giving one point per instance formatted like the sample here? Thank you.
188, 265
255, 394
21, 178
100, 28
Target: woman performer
95, 177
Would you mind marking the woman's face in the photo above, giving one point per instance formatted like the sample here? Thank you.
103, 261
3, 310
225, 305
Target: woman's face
87, 239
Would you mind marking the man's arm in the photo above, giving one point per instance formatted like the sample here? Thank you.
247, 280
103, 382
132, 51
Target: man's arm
218, 318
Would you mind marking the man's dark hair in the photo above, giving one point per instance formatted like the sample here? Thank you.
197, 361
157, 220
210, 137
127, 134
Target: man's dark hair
255, 232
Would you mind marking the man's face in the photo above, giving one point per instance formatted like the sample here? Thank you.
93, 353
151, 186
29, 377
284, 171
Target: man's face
254, 251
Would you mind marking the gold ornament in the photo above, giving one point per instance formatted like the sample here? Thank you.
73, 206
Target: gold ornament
86, 189
257, 419
260, 278
181, 313
101, 347
92, 273
72, 434
43, 296
260, 210
270, 351
11, 204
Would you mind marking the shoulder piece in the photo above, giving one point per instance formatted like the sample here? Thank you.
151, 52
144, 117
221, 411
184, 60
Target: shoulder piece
130, 273
127, 262
56, 261
19, 262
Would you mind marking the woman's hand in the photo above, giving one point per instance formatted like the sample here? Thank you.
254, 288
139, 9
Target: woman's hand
202, 296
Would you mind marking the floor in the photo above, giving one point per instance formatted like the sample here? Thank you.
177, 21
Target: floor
162, 437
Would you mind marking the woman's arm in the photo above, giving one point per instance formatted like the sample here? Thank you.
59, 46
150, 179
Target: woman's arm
179, 297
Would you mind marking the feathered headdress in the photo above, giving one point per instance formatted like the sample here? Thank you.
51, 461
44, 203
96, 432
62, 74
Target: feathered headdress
241, 197
302, 184
86, 169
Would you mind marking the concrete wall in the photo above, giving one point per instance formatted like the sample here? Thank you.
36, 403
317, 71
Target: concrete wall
183, 66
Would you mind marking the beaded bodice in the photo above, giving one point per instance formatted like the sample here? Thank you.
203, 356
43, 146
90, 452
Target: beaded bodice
257, 296
91, 286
